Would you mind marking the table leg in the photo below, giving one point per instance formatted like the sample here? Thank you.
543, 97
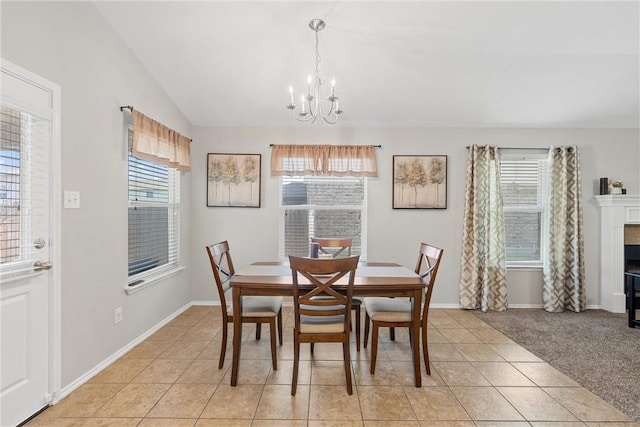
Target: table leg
415, 332
237, 335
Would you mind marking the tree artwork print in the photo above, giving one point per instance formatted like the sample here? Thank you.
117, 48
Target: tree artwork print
233, 180
419, 182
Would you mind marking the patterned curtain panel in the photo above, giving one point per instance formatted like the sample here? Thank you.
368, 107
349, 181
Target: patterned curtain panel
563, 269
483, 281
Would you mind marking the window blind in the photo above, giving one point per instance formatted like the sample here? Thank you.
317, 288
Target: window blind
154, 208
322, 206
523, 183
24, 199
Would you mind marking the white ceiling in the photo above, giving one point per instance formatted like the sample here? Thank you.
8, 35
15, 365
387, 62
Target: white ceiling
405, 64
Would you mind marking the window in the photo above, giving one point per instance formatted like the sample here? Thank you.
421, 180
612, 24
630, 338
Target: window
13, 127
322, 206
523, 180
154, 217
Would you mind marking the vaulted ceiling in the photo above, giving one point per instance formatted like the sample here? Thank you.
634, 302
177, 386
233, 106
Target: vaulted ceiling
397, 64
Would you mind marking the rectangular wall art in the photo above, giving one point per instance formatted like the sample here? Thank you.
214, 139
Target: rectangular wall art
233, 180
419, 182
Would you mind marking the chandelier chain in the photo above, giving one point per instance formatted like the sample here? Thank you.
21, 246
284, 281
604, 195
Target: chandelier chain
318, 58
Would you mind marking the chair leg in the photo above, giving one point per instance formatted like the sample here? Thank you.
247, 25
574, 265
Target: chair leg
425, 350
347, 364
312, 345
223, 347
374, 347
366, 329
280, 325
358, 314
296, 361
258, 330
272, 337
392, 334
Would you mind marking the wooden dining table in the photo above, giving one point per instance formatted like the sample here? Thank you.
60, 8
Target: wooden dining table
372, 279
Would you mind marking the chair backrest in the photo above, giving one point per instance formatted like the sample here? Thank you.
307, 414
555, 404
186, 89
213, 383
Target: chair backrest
427, 267
334, 246
322, 275
222, 267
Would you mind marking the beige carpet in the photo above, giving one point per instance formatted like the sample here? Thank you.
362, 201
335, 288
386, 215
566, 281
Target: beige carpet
594, 348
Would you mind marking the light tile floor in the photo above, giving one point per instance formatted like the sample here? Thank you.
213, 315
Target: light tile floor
479, 377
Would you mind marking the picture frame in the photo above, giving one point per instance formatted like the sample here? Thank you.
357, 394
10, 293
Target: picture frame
419, 181
233, 180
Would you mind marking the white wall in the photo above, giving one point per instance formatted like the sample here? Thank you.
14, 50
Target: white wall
394, 235
70, 44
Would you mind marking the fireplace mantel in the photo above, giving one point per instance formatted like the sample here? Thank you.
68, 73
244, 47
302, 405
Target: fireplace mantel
615, 212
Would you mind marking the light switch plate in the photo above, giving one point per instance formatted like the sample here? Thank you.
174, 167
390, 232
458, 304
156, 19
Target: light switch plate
71, 199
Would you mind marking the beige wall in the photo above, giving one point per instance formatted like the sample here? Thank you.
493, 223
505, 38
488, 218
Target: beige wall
394, 235
70, 44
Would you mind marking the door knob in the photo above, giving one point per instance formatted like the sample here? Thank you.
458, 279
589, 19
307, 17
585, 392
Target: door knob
39, 266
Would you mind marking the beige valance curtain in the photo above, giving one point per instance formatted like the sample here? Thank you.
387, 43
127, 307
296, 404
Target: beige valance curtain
155, 142
332, 160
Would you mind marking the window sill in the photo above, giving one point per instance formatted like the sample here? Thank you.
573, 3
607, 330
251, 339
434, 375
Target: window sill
145, 282
525, 266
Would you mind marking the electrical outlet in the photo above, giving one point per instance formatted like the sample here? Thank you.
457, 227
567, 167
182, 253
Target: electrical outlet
118, 315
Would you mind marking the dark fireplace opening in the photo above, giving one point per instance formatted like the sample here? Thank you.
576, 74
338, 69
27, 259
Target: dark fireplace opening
632, 258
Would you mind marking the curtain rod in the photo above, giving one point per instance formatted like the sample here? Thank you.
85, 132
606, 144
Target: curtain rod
375, 146
130, 108
516, 148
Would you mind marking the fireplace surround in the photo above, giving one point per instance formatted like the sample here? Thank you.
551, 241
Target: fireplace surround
616, 212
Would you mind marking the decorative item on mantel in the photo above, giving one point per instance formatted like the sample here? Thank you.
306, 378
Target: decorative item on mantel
604, 186
615, 187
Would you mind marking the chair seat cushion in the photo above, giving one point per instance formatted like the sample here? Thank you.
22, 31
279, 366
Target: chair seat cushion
388, 309
254, 306
321, 324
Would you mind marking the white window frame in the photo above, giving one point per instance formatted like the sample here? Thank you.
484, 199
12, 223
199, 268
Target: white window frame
542, 207
362, 208
139, 281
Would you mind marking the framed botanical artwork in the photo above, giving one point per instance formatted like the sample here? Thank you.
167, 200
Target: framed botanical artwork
233, 180
419, 182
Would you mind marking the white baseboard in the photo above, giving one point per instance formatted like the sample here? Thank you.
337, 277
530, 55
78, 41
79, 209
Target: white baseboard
118, 354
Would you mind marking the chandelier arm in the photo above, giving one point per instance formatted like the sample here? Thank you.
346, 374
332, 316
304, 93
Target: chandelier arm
300, 117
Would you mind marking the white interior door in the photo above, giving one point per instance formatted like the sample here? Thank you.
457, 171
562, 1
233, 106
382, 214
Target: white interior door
27, 222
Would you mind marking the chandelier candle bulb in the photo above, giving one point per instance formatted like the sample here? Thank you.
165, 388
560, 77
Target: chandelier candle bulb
302, 103
333, 86
291, 94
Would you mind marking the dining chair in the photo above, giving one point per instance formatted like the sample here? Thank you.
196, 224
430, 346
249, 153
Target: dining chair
255, 309
340, 247
335, 247
321, 313
397, 312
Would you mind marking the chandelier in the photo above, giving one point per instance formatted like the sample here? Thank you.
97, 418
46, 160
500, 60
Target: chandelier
311, 109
